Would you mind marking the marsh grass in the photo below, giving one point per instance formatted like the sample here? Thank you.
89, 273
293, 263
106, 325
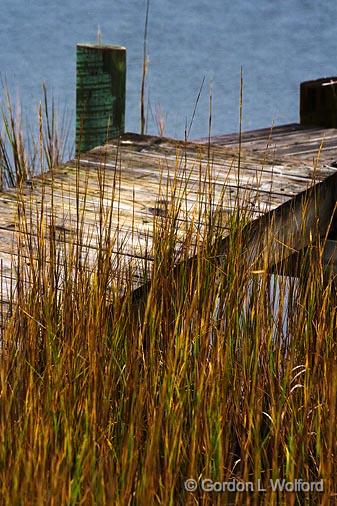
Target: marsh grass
25, 149
217, 369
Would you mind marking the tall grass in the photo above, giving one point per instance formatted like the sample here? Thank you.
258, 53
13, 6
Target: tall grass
215, 370
29, 149
144, 71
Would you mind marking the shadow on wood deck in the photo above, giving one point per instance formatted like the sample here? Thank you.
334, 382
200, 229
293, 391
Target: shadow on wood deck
121, 189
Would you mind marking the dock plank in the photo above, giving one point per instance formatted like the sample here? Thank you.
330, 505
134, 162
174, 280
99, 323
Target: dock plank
132, 185
293, 140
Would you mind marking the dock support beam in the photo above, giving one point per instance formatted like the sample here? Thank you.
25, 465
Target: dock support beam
318, 103
100, 94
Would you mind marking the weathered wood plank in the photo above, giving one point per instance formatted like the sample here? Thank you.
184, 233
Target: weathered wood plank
133, 185
288, 140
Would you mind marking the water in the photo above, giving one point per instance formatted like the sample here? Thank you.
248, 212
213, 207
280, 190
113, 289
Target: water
278, 45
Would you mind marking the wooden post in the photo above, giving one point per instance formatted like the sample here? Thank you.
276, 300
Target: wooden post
318, 103
100, 94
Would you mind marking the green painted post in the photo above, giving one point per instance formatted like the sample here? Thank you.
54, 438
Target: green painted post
100, 94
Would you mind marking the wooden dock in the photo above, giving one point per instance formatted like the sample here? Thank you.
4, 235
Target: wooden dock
131, 183
293, 140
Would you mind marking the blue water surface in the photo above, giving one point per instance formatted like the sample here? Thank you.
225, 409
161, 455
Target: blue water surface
278, 44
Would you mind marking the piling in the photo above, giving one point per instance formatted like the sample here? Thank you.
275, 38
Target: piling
318, 102
100, 94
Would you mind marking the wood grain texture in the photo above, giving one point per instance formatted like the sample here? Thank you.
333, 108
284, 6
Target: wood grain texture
122, 191
306, 143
